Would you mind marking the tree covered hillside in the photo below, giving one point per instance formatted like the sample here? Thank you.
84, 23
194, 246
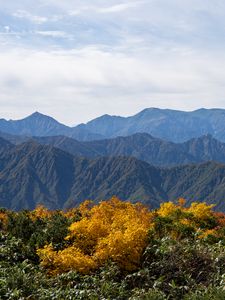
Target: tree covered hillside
33, 174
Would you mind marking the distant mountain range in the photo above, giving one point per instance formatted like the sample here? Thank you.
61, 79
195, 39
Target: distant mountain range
38, 124
140, 145
154, 156
171, 125
31, 173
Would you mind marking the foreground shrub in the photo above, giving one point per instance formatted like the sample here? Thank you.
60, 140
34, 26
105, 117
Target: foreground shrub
113, 230
113, 250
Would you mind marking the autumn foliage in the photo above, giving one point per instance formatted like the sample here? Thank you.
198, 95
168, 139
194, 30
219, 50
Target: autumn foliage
119, 231
112, 230
114, 250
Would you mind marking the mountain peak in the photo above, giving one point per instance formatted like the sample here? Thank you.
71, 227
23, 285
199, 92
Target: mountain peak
38, 115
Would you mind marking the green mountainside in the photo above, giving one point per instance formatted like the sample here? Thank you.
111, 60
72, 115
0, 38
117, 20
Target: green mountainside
140, 145
31, 173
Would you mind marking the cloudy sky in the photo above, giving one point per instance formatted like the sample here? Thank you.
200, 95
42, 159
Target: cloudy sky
76, 60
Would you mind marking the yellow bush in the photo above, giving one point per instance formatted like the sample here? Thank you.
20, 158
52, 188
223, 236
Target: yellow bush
112, 230
166, 209
201, 211
3, 220
208, 232
70, 258
182, 221
41, 212
118, 231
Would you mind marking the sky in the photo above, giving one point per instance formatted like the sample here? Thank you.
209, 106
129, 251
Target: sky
76, 60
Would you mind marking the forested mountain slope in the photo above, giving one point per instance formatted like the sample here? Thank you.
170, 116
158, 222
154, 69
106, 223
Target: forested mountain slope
32, 173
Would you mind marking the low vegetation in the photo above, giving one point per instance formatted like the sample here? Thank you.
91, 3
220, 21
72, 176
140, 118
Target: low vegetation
113, 250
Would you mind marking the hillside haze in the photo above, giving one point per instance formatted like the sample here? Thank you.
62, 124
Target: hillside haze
171, 125
140, 145
38, 124
154, 156
31, 174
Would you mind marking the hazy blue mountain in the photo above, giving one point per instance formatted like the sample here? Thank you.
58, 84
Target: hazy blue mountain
205, 148
172, 125
5, 144
38, 124
35, 124
70, 145
31, 173
144, 147
14, 139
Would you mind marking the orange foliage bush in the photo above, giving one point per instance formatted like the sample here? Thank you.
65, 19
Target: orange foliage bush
112, 230
119, 231
41, 212
3, 220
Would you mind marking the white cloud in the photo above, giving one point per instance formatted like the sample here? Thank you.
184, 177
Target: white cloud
22, 14
120, 7
7, 29
112, 56
116, 8
77, 85
54, 34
